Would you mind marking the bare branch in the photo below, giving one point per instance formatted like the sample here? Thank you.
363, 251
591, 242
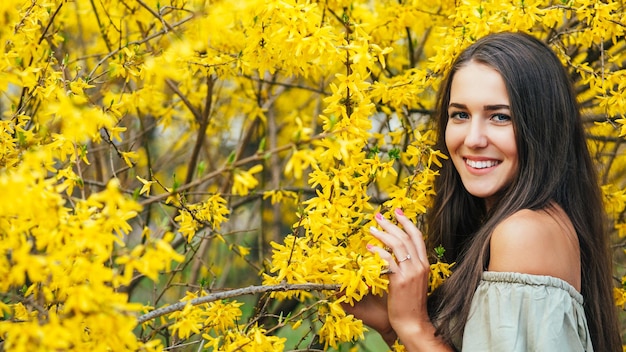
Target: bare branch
236, 293
137, 42
254, 157
157, 15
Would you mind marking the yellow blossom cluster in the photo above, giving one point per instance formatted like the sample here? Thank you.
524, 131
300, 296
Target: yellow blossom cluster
215, 316
210, 213
155, 152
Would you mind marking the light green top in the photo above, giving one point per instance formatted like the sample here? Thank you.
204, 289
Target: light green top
516, 312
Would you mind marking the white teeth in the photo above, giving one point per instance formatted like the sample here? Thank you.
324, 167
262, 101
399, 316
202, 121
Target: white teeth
481, 164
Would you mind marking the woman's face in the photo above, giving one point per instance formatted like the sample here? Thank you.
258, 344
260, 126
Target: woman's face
479, 134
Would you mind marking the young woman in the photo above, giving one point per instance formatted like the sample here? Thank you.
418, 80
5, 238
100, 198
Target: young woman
518, 207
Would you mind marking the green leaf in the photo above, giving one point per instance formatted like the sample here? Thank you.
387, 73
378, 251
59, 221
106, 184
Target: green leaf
231, 157
394, 153
439, 250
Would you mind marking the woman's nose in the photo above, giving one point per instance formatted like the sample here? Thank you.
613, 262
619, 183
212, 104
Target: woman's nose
476, 134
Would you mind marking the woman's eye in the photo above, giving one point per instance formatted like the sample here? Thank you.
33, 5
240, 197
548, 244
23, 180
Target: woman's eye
459, 115
501, 118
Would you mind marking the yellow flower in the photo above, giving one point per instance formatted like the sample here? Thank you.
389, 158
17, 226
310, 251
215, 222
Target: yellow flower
145, 189
187, 322
244, 181
339, 327
222, 316
439, 272
619, 295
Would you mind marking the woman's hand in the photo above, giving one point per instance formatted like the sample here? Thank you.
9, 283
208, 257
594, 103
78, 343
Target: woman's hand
408, 278
402, 313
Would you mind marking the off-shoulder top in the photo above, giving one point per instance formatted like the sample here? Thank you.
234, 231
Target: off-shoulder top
516, 312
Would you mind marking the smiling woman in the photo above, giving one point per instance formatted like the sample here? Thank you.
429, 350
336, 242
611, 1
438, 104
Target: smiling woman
479, 135
518, 209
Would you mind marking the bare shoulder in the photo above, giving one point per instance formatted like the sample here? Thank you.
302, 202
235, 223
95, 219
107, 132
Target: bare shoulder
537, 242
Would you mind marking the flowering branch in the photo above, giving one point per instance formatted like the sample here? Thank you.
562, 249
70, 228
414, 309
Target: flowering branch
255, 157
235, 293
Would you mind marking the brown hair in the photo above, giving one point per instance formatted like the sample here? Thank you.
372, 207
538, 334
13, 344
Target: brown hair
554, 166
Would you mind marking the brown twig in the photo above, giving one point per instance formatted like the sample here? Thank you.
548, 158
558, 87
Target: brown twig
136, 42
235, 293
255, 157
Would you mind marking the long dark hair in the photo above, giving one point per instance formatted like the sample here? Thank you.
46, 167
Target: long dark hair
554, 167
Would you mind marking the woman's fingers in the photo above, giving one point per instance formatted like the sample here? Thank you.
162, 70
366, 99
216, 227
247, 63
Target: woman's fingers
383, 253
396, 238
414, 234
404, 241
408, 282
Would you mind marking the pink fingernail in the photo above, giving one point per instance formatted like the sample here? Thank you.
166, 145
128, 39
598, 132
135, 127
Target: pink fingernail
368, 246
379, 216
399, 212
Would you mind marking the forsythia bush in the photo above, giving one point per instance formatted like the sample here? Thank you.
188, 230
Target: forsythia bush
199, 175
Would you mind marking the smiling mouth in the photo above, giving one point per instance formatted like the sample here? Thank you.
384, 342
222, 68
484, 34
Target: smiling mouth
483, 164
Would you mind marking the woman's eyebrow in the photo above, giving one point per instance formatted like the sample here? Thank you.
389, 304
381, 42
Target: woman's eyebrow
496, 107
485, 107
457, 105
